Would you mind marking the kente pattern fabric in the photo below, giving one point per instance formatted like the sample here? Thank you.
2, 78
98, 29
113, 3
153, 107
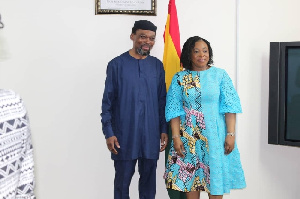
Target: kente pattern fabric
133, 106
201, 99
16, 152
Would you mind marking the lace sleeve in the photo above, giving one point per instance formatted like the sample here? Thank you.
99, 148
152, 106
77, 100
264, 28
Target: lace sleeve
229, 99
174, 107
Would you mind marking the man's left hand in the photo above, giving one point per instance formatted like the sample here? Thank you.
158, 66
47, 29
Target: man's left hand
163, 141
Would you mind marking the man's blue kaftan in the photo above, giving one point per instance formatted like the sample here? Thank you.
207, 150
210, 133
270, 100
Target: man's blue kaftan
133, 106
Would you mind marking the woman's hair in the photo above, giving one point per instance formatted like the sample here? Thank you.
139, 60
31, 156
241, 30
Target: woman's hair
185, 58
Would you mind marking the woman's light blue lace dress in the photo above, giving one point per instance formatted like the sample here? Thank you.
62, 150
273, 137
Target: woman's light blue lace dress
201, 99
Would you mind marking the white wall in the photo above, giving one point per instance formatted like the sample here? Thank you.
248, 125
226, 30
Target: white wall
271, 171
56, 54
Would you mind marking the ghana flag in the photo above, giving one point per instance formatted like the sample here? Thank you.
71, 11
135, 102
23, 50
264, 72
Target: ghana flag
171, 61
172, 52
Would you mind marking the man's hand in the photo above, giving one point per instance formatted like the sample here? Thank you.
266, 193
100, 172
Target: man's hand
229, 144
111, 142
163, 141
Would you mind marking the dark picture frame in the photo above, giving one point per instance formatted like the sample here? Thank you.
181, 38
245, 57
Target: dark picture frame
131, 7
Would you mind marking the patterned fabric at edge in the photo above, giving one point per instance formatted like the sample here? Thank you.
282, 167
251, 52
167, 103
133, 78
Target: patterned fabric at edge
201, 99
16, 152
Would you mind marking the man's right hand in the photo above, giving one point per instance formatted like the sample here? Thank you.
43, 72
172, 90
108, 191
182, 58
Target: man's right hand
111, 142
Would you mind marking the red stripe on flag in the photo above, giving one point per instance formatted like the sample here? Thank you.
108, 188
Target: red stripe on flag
174, 27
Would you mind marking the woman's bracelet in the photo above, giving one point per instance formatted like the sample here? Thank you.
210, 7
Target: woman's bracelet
176, 136
231, 134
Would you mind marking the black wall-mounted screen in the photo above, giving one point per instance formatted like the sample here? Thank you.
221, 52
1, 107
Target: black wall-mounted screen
293, 94
284, 94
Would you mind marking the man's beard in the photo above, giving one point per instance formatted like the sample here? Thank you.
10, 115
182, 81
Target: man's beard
140, 51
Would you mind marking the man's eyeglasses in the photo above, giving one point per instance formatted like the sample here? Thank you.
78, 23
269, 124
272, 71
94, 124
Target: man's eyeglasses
145, 37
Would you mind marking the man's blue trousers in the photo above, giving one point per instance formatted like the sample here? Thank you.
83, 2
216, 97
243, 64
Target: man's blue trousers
124, 170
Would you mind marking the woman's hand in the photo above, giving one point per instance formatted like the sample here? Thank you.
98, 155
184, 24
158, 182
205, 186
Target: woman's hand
230, 119
229, 144
178, 146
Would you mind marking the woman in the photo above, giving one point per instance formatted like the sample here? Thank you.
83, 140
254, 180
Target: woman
201, 107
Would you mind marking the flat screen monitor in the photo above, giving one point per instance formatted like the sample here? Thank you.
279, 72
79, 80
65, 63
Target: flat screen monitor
284, 94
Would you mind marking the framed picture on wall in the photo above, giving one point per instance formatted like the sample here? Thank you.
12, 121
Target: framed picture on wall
133, 7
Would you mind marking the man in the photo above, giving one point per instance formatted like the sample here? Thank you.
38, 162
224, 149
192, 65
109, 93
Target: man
133, 109
16, 153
